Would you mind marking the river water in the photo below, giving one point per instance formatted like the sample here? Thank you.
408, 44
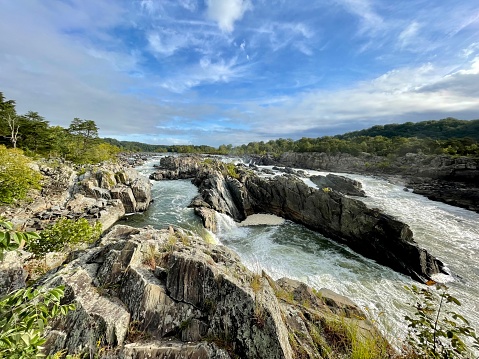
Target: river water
451, 234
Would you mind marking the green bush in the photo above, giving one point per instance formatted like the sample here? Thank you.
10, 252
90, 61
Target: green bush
16, 177
436, 331
65, 233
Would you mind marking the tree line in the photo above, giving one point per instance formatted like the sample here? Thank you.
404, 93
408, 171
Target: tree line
80, 142
32, 133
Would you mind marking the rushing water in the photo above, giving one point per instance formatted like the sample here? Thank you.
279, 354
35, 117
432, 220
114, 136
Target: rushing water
449, 233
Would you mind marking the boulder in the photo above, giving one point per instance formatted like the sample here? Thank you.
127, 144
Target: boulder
125, 195
339, 183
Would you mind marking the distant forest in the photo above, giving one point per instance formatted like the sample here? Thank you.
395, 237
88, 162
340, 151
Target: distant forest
80, 142
447, 136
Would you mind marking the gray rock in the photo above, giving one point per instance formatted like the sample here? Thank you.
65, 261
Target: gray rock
146, 293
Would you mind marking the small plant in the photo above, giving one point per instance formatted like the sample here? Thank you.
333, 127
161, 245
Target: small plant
65, 232
435, 331
151, 257
24, 315
11, 239
326, 189
255, 283
232, 171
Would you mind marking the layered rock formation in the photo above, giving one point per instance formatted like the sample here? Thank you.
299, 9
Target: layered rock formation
340, 184
367, 231
441, 178
102, 194
146, 293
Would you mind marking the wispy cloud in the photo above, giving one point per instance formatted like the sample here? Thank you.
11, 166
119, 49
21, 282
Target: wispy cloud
227, 12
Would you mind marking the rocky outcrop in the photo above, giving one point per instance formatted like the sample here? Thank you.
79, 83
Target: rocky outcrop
346, 220
438, 177
340, 184
146, 293
177, 167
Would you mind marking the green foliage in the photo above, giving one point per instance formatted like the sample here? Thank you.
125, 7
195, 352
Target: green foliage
231, 169
16, 176
437, 332
24, 314
65, 232
11, 239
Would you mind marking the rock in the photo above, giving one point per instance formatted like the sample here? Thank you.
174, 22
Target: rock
339, 183
12, 274
146, 293
208, 217
141, 189
177, 167
346, 220
125, 195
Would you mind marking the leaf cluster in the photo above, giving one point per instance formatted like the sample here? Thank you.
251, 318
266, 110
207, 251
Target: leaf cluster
17, 178
24, 315
436, 331
11, 239
65, 233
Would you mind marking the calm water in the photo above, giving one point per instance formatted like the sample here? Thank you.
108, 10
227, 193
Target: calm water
449, 233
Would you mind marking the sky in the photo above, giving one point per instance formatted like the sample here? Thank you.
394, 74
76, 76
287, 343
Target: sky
235, 71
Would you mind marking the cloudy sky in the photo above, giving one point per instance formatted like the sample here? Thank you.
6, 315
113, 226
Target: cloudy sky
235, 71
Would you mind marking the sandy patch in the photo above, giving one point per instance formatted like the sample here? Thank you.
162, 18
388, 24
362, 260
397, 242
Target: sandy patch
259, 219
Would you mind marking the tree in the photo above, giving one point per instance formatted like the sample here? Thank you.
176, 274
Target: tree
9, 116
34, 132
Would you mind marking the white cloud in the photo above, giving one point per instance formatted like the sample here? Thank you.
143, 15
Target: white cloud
205, 72
409, 34
227, 12
167, 41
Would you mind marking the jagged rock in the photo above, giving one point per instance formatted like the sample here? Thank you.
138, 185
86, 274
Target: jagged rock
12, 274
141, 189
208, 217
177, 167
339, 183
347, 220
125, 195
147, 293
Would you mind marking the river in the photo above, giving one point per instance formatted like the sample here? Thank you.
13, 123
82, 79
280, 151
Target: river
449, 233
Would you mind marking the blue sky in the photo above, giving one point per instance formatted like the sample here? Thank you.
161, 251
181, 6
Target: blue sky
235, 71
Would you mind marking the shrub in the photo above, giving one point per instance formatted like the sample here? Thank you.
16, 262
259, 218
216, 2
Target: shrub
65, 232
16, 177
435, 331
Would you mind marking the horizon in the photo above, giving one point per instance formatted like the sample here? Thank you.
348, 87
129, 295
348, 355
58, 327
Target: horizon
219, 72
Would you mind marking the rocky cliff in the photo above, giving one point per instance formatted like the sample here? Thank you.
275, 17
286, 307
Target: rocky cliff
453, 180
101, 193
328, 211
146, 293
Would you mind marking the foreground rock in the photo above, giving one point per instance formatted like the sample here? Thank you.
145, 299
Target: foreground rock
162, 294
346, 220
